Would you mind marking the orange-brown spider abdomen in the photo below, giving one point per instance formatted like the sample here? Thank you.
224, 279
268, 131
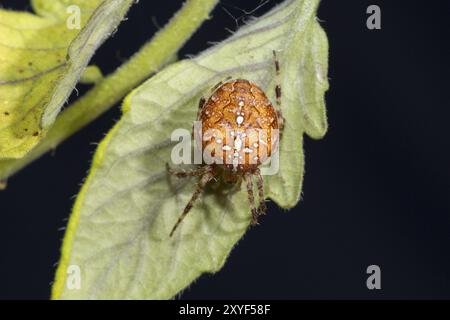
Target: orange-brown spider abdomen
239, 125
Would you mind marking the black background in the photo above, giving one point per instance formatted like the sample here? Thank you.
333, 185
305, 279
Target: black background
376, 189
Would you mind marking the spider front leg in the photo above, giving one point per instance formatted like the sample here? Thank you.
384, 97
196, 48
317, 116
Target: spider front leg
262, 209
251, 198
278, 91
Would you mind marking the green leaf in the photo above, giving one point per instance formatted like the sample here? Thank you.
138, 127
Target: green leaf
42, 56
118, 234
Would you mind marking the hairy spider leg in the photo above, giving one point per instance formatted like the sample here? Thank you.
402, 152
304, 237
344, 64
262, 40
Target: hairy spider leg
262, 209
251, 198
205, 178
278, 90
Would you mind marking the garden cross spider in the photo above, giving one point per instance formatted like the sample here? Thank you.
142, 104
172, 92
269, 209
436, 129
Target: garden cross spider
237, 126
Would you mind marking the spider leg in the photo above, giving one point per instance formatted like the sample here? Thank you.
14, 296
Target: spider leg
251, 198
200, 187
181, 173
280, 120
278, 90
262, 209
201, 103
277, 79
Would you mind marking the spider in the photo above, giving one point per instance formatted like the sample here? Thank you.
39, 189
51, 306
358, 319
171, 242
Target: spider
237, 122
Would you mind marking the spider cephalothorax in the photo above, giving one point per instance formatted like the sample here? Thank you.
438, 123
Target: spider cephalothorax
238, 132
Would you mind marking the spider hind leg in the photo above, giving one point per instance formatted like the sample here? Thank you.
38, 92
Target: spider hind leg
251, 198
262, 209
206, 176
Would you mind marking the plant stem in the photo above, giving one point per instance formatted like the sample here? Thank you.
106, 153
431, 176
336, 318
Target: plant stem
109, 91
